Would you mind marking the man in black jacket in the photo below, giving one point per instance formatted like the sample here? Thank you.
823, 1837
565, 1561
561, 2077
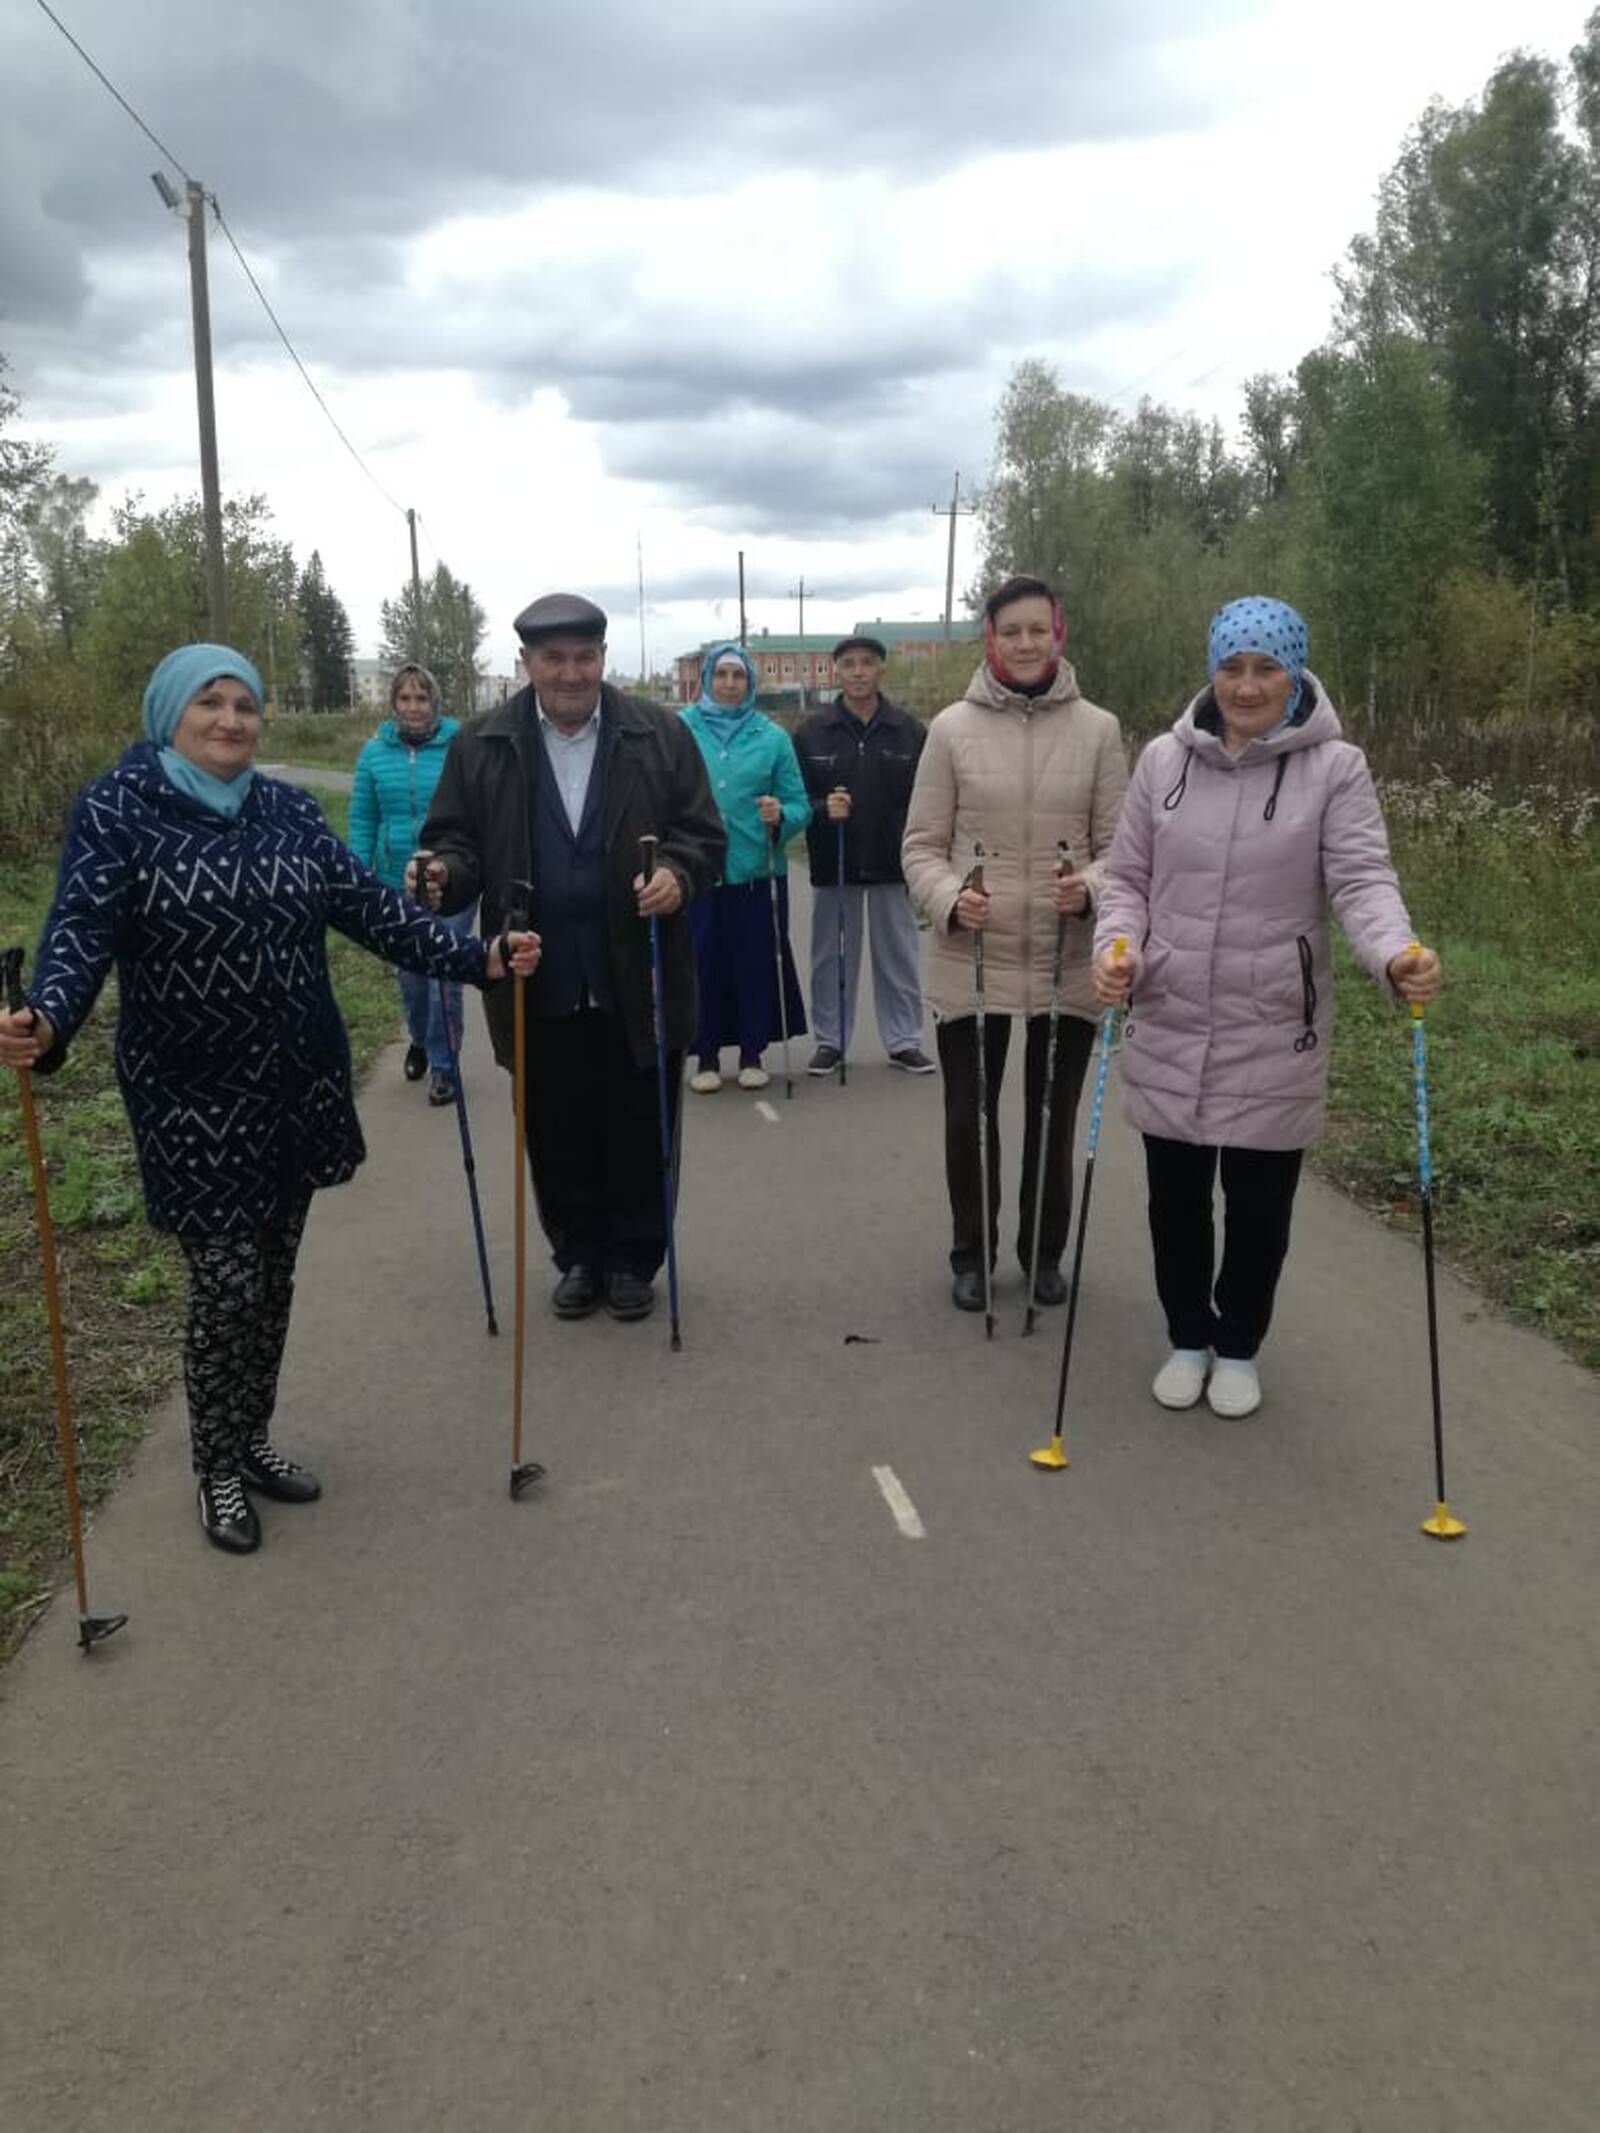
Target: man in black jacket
556, 788
859, 759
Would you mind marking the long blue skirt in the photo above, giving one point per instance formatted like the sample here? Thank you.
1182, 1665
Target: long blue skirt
737, 971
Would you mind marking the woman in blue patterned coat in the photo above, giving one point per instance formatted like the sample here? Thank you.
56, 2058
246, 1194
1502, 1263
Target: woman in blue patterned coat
210, 887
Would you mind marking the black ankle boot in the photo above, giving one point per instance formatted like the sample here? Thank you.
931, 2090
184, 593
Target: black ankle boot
270, 1474
227, 1517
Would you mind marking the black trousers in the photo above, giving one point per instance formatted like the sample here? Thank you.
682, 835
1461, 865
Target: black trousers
594, 1143
958, 1056
241, 1288
1258, 1187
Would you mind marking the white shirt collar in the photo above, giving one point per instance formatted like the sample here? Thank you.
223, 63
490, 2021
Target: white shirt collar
589, 726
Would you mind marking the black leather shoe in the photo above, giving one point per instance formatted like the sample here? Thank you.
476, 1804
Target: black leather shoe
577, 1293
416, 1062
441, 1090
265, 1470
1050, 1286
227, 1517
629, 1295
966, 1292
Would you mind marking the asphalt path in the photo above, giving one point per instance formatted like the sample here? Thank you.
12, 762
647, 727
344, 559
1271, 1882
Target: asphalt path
722, 1786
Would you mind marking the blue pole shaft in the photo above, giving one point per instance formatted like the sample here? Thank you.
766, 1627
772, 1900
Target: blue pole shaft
843, 1034
1419, 1065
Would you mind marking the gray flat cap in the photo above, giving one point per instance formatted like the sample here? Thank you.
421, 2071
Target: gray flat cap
563, 615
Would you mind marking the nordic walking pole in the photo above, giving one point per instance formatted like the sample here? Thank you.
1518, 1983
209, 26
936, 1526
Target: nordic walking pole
1050, 1458
523, 1473
92, 1629
975, 881
1063, 866
658, 1016
838, 845
1441, 1526
467, 1163
773, 833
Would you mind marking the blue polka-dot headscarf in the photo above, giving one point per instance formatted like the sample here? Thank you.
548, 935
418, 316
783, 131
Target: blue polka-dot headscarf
1271, 627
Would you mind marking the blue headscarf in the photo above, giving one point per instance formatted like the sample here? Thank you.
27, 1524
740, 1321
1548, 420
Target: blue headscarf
1271, 627
725, 719
171, 688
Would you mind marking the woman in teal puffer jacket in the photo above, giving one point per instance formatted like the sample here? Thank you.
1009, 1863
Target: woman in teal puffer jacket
396, 773
755, 778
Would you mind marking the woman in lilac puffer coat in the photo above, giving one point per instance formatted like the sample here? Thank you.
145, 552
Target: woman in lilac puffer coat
1242, 825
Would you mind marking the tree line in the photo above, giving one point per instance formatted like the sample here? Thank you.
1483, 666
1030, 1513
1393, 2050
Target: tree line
85, 616
1425, 486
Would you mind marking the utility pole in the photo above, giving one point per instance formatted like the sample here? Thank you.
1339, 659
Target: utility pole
798, 592
193, 209
416, 590
953, 510
744, 634
644, 669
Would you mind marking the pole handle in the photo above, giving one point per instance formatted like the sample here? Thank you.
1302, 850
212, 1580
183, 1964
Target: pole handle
1415, 948
11, 967
516, 913
647, 856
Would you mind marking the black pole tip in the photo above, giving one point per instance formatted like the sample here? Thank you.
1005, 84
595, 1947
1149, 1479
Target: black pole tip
988, 1329
94, 1629
524, 1478
677, 1342
494, 1330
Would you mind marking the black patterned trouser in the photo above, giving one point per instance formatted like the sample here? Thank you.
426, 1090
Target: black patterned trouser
241, 1285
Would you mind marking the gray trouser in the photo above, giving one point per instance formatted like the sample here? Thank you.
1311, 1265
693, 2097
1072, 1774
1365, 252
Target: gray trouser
896, 979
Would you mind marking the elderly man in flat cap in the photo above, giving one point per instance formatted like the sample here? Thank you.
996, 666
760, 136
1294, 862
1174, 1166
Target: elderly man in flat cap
859, 761
556, 788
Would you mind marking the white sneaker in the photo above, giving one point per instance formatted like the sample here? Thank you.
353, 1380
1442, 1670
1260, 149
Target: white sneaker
1182, 1377
1234, 1390
705, 1083
753, 1077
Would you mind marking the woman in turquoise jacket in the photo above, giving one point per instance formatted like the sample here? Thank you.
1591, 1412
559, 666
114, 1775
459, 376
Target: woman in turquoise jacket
762, 797
395, 775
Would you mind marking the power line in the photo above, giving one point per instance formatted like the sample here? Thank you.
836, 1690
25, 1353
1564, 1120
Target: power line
105, 80
233, 242
216, 208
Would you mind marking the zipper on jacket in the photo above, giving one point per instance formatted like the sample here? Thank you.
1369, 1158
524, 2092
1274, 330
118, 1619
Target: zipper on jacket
1027, 863
1307, 1039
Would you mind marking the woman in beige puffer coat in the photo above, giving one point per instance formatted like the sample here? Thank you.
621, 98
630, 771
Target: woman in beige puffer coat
1022, 766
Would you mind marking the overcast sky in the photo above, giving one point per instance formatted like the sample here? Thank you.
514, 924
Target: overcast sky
703, 277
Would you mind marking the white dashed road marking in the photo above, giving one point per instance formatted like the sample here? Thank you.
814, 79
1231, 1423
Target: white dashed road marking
903, 1509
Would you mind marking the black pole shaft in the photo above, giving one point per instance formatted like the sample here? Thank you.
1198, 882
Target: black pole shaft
468, 1163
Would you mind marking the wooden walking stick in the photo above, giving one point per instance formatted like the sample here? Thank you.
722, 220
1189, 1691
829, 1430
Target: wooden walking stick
92, 1629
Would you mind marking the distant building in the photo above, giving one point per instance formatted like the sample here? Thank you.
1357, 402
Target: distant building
789, 662
369, 685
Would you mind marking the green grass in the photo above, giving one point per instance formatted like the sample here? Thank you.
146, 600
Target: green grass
330, 739
123, 1287
1511, 897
